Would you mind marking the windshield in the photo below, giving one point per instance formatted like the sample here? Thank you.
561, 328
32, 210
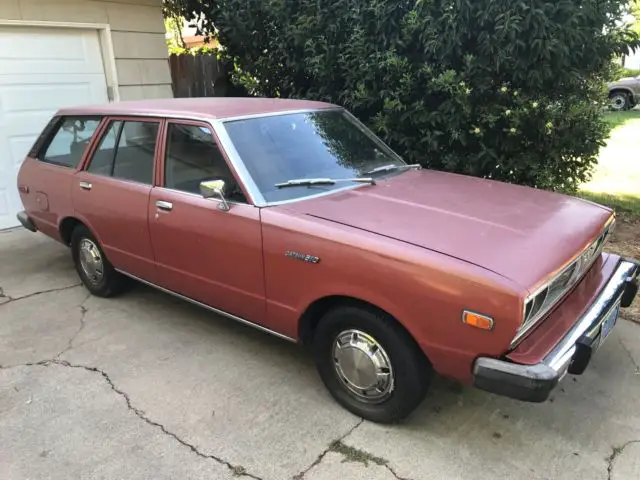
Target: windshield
320, 144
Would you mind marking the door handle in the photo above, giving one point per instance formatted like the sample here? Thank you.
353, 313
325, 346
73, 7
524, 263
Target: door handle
85, 185
162, 205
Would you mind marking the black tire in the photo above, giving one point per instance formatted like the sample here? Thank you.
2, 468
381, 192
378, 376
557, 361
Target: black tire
110, 282
411, 369
620, 101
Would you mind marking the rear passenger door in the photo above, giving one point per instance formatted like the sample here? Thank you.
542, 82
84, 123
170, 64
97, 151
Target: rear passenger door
111, 194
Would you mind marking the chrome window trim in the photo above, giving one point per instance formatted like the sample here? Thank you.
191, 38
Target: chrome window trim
255, 196
251, 116
316, 195
191, 194
119, 179
376, 139
246, 178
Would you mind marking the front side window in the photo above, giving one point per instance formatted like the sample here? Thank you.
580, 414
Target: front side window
318, 144
127, 151
192, 157
69, 141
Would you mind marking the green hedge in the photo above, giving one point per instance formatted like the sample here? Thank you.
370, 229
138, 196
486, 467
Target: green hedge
503, 89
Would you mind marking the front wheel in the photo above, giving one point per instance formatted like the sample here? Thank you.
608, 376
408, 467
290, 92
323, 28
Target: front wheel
370, 364
619, 101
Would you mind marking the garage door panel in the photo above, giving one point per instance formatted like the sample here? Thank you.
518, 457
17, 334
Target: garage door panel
35, 95
5, 211
60, 68
18, 145
49, 51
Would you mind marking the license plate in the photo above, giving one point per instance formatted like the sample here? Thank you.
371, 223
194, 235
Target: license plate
609, 322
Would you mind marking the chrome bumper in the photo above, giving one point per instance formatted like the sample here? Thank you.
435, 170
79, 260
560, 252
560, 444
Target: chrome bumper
26, 221
570, 355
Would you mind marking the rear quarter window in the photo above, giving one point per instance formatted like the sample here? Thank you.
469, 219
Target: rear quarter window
67, 140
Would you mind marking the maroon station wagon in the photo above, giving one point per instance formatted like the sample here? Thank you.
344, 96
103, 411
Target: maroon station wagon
294, 218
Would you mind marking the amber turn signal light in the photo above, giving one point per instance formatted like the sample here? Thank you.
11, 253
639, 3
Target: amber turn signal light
477, 320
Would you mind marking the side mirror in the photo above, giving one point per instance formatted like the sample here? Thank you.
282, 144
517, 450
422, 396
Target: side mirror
215, 189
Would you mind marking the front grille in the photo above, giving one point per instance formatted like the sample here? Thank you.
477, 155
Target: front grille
538, 304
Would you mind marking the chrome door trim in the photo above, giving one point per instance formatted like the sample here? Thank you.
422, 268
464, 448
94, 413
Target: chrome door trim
212, 309
162, 205
85, 185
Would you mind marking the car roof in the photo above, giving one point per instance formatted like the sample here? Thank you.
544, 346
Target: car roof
205, 107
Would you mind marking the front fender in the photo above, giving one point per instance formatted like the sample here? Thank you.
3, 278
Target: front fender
423, 290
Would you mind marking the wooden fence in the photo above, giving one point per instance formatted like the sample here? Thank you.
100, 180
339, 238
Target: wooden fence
198, 76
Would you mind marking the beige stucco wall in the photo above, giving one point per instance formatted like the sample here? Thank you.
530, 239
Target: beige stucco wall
137, 32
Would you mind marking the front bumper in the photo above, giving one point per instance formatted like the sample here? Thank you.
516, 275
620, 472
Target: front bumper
571, 354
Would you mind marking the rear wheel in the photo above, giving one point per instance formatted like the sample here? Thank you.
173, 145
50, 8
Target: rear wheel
93, 267
370, 364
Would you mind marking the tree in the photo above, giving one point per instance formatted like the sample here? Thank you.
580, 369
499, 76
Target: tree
505, 89
635, 12
173, 27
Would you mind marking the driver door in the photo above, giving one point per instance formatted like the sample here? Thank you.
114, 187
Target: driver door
202, 252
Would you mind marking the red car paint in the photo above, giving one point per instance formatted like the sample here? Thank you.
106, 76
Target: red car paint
423, 246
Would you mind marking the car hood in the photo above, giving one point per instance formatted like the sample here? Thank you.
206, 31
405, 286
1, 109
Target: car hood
521, 233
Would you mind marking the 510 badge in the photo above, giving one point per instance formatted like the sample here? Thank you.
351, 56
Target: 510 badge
302, 257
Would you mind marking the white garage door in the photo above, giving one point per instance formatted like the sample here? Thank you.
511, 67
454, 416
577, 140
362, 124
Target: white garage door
41, 70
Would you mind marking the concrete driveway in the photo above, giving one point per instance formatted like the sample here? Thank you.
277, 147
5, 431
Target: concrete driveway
148, 387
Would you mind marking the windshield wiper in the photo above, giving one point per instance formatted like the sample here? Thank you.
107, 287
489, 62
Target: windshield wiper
301, 182
391, 166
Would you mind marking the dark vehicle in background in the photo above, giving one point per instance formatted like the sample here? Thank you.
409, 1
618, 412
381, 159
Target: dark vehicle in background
625, 93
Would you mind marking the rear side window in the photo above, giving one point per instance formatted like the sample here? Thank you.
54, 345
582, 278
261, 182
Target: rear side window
127, 151
70, 139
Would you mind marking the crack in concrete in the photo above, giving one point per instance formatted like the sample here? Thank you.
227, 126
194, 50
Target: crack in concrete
83, 313
614, 454
30, 295
2, 295
300, 476
237, 470
633, 361
353, 454
393, 472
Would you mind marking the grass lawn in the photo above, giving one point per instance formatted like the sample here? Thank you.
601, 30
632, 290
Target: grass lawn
616, 183
616, 180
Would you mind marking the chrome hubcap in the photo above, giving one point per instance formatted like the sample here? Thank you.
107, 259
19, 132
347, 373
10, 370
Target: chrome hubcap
363, 366
91, 261
618, 102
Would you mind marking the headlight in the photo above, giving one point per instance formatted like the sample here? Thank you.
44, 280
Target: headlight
543, 299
